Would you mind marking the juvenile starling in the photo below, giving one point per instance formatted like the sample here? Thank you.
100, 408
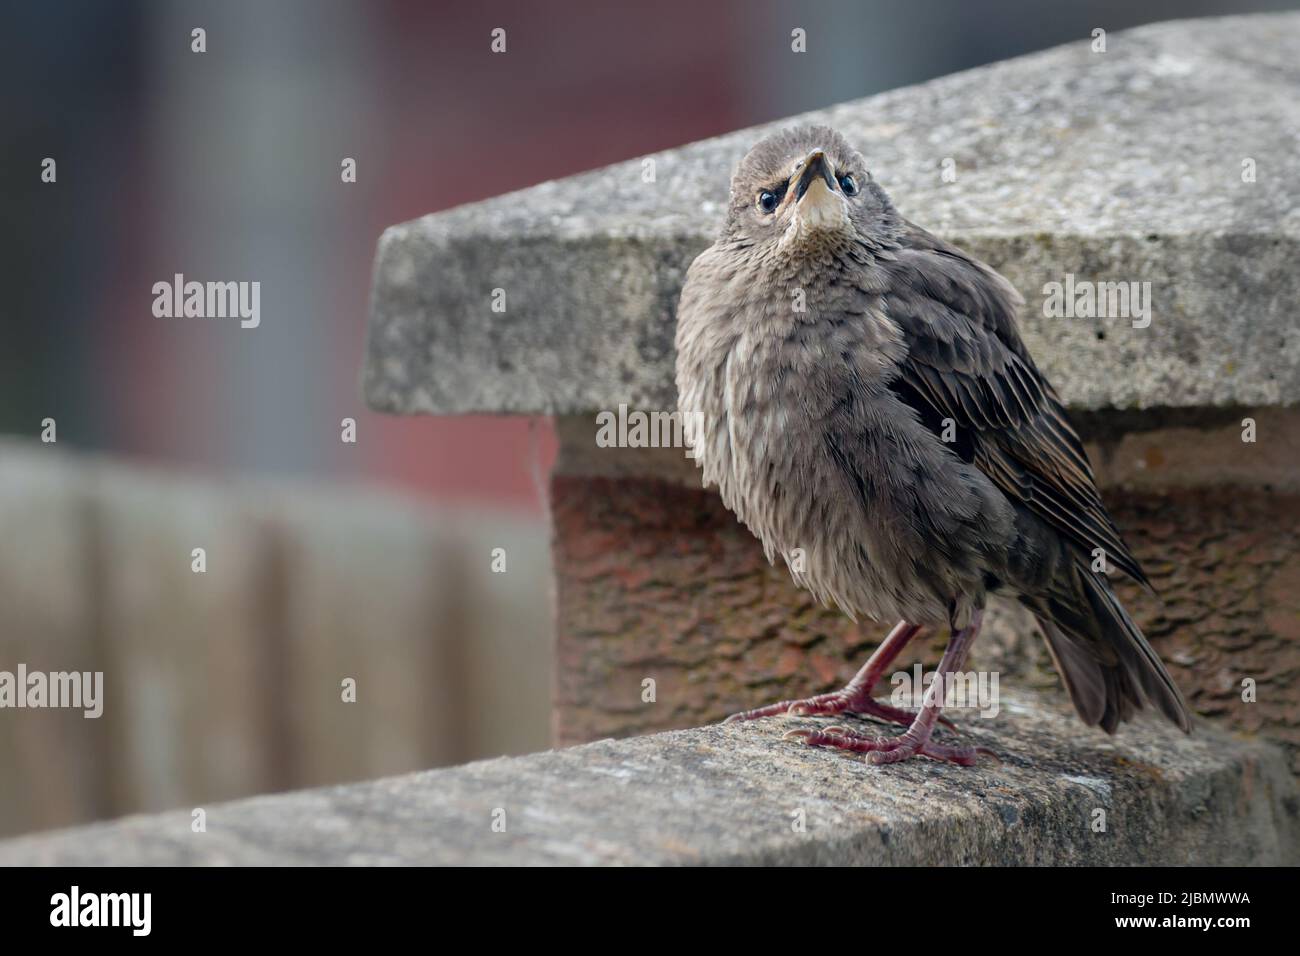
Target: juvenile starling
857, 390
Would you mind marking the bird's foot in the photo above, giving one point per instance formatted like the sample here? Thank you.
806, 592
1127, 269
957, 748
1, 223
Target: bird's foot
845, 701
855, 697
880, 750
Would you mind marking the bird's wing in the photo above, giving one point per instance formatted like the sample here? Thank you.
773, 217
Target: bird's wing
966, 362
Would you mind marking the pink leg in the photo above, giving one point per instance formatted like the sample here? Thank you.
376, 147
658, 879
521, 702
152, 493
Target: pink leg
855, 697
916, 741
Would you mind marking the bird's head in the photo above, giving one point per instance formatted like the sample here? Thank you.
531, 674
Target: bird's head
804, 189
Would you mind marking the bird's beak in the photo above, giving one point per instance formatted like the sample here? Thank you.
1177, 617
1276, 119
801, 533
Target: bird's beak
815, 168
815, 196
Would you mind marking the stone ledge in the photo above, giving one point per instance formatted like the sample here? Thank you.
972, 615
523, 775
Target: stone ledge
723, 795
1122, 166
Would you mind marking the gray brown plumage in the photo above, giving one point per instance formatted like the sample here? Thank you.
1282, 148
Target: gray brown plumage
867, 408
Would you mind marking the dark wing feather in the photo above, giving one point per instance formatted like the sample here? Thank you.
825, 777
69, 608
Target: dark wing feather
966, 362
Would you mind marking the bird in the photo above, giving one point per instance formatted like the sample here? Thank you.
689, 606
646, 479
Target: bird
857, 390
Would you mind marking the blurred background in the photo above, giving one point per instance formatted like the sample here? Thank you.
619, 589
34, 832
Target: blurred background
326, 560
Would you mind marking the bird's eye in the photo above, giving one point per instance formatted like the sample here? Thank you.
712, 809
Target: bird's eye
767, 200
849, 186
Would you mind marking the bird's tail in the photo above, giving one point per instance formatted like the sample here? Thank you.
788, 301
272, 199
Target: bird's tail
1109, 669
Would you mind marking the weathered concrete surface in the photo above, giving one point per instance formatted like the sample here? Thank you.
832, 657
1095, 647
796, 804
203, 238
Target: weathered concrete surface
1118, 166
734, 794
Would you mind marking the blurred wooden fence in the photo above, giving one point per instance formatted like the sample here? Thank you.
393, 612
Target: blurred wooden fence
229, 682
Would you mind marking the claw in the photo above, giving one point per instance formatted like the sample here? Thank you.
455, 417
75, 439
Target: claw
856, 698
857, 693
905, 749
887, 750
